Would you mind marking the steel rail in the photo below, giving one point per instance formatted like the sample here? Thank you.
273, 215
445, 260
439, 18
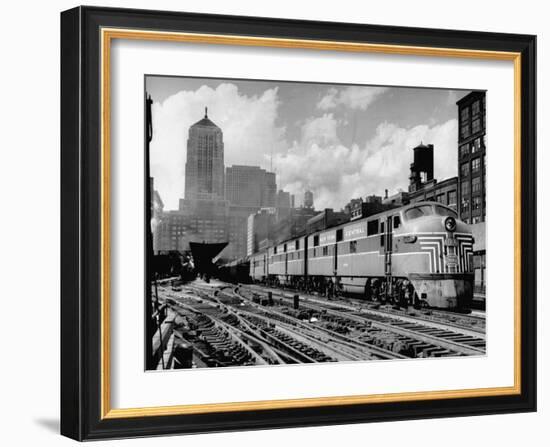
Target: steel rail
431, 339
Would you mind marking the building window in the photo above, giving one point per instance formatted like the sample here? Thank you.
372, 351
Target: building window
476, 203
465, 206
325, 251
465, 169
476, 145
475, 108
451, 198
464, 150
476, 164
465, 122
465, 131
476, 184
476, 125
297, 244
465, 188
464, 114
353, 247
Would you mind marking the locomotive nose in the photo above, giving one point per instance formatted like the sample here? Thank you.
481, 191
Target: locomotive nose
450, 223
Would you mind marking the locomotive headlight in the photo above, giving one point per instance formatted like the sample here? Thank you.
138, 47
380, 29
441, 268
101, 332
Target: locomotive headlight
450, 223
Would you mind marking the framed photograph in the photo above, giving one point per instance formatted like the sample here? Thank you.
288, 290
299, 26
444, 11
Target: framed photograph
273, 223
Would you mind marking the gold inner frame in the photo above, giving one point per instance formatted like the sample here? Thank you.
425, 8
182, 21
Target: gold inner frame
107, 35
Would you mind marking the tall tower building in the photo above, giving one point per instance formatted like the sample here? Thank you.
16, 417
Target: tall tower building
308, 199
204, 169
471, 157
472, 175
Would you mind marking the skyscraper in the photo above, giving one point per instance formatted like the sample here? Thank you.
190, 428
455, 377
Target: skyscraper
472, 175
247, 189
471, 157
308, 199
204, 169
259, 228
204, 209
250, 186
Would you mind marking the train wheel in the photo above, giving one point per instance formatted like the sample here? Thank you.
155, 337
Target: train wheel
368, 291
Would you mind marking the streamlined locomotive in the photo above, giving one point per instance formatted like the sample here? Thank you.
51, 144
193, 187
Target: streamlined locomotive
422, 248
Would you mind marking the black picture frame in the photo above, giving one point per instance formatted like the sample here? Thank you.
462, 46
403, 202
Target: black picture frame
81, 216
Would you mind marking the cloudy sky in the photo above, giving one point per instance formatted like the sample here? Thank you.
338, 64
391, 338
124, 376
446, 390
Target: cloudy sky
338, 141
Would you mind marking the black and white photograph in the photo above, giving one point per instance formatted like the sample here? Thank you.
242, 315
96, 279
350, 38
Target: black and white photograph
294, 222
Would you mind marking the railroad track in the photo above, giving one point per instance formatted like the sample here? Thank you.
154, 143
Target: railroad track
239, 321
473, 325
334, 346
278, 346
347, 346
429, 337
342, 348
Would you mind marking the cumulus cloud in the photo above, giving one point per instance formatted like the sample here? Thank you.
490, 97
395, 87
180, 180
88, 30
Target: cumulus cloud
320, 130
247, 122
336, 173
318, 160
354, 97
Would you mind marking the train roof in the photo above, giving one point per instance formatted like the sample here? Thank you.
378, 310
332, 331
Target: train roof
425, 202
372, 217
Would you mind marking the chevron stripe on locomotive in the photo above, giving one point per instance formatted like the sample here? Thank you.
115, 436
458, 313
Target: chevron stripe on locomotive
421, 250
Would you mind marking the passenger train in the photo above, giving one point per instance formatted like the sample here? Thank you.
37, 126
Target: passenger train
421, 249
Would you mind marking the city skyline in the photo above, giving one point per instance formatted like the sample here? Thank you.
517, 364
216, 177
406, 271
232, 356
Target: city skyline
355, 140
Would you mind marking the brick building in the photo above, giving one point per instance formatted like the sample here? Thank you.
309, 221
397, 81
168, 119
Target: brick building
472, 175
472, 145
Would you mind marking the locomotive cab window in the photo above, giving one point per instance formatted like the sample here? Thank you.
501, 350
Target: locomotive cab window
443, 211
396, 221
418, 211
